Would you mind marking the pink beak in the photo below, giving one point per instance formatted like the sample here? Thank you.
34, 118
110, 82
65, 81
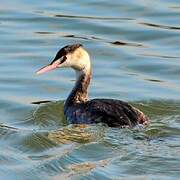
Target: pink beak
47, 68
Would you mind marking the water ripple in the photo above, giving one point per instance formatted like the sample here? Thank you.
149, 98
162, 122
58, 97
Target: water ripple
160, 26
92, 17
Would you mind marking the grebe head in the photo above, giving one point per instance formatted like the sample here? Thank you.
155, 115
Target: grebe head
74, 56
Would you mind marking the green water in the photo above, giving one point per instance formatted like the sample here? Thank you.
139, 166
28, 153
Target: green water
134, 47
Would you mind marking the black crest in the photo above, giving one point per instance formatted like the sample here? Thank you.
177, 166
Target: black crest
65, 50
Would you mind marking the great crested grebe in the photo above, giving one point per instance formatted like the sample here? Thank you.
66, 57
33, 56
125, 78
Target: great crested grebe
77, 108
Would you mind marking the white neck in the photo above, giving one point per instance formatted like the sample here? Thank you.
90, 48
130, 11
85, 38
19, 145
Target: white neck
79, 93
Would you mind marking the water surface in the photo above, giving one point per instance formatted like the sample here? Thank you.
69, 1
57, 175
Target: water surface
134, 47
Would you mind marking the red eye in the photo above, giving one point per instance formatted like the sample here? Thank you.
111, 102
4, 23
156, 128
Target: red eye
63, 59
